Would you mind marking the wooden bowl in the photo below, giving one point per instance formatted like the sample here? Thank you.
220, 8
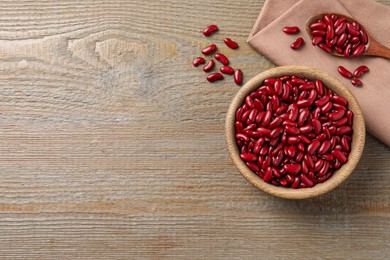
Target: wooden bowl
357, 144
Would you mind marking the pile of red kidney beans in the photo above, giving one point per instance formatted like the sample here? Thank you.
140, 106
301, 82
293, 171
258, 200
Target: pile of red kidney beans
294, 132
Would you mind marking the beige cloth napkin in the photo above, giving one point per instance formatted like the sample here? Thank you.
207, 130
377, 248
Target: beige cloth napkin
374, 97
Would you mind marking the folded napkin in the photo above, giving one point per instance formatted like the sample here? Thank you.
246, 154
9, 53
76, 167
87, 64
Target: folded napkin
267, 38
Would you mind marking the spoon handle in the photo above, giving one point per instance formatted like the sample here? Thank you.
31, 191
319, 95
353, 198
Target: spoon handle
377, 49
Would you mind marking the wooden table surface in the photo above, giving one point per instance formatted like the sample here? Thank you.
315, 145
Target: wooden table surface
112, 143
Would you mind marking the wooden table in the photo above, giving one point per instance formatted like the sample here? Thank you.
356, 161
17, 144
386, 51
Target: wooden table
113, 144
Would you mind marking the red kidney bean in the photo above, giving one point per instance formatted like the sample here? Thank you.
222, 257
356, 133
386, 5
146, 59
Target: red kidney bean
227, 70
345, 144
293, 140
291, 29
349, 115
292, 130
329, 32
317, 40
327, 107
297, 43
313, 146
306, 180
360, 71
325, 47
339, 100
327, 19
355, 39
299, 156
303, 116
231, 44
278, 86
343, 130
356, 82
324, 169
275, 123
363, 36
347, 50
338, 114
325, 146
214, 77
341, 39
318, 33
344, 72
340, 29
340, 156
322, 101
209, 49
248, 157
212, 28
268, 174
316, 126
254, 167
276, 132
359, 50
296, 183
292, 168
209, 66
238, 77
221, 58
318, 26
198, 61
351, 30
339, 21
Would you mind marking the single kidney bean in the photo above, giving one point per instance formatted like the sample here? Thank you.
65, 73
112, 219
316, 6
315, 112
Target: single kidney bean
318, 33
212, 28
340, 29
329, 32
291, 29
339, 21
209, 49
231, 44
340, 156
227, 70
238, 77
318, 26
359, 50
222, 58
363, 37
313, 146
360, 71
343, 130
317, 40
325, 47
297, 43
349, 115
209, 66
325, 146
292, 168
214, 77
356, 82
338, 114
198, 61
351, 30
344, 72
306, 180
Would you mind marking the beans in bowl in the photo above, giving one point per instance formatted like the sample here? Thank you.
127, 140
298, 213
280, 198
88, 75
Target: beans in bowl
294, 132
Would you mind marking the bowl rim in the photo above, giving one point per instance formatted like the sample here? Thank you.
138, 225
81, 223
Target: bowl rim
357, 144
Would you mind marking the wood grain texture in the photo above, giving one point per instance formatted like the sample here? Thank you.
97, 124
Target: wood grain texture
113, 145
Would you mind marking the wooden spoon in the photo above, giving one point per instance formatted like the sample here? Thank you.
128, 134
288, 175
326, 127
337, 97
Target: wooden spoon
373, 48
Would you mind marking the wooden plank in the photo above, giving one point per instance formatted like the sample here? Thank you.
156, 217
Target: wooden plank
113, 144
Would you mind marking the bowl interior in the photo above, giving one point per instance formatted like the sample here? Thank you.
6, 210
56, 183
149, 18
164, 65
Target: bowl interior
358, 136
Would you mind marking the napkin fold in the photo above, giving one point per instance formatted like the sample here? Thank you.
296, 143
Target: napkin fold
374, 96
